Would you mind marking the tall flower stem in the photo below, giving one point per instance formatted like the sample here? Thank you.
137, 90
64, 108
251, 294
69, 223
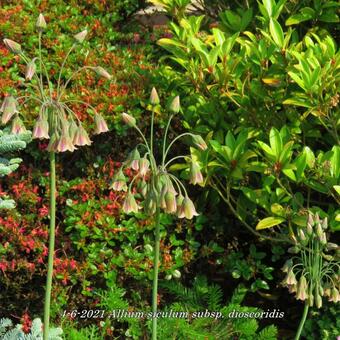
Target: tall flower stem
302, 322
155, 274
51, 246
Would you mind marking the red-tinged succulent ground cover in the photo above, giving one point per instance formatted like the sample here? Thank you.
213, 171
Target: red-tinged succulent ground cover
270, 122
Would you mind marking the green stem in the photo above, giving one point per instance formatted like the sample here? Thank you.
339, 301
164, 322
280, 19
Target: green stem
155, 275
50, 247
302, 322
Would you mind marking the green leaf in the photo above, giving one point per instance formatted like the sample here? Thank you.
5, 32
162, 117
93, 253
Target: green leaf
269, 4
275, 142
337, 188
297, 18
296, 102
269, 222
266, 148
276, 32
290, 174
335, 162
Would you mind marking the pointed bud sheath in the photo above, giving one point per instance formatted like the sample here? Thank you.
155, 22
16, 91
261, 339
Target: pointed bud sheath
175, 105
119, 181
8, 109
130, 204
41, 23
319, 230
323, 239
102, 72
128, 119
170, 203
81, 137
309, 229
324, 223
133, 159
199, 142
154, 99
187, 209
317, 218
301, 293
101, 125
80, 37
310, 220
195, 174
143, 166
302, 237
18, 126
30, 69
288, 264
40, 129
13, 46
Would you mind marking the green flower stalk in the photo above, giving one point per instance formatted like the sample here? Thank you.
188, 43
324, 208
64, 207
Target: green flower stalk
56, 121
312, 273
160, 190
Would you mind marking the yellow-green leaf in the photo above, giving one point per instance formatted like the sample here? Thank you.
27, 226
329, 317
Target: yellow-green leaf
269, 222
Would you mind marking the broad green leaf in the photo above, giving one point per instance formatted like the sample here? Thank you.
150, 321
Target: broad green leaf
276, 32
268, 5
310, 158
266, 148
298, 80
297, 18
290, 174
277, 209
337, 188
230, 140
300, 220
286, 152
301, 163
297, 102
269, 222
275, 141
335, 162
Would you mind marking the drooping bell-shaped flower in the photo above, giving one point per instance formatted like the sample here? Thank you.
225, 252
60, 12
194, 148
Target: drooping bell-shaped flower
143, 166
81, 137
170, 202
80, 37
199, 142
18, 126
65, 144
292, 288
195, 174
72, 129
187, 209
301, 293
13, 46
30, 69
119, 181
100, 125
175, 105
128, 119
8, 109
335, 296
318, 301
41, 23
150, 203
154, 99
142, 188
288, 264
133, 159
102, 72
40, 129
130, 204
290, 278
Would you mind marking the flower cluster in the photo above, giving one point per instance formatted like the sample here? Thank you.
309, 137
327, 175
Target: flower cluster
313, 273
156, 187
56, 121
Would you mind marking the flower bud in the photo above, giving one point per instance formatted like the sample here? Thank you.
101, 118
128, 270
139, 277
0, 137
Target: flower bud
311, 300
301, 293
18, 126
13, 46
199, 142
335, 297
332, 246
41, 23
176, 274
40, 129
128, 119
175, 105
102, 72
323, 239
101, 125
302, 237
80, 37
150, 203
143, 166
318, 301
324, 223
119, 181
130, 204
133, 159
8, 109
319, 230
309, 229
195, 173
294, 250
154, 99
30, 69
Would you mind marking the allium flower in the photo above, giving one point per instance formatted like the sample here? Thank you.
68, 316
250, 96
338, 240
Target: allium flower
288, 264
130, 204
318, 301
170, 202
41, 23
175, 105
65, 144
8, 109
18, 126
302, 289
119, 181
187, 209
101, 125
335, 296
13, 46
30, 69
292, 288
154, 99
72, 129
150, 203
199, 142
133, 159
143, 166
195, 174
40, 129
290, 278
80, 37
128, 119
81, 137
102, 72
